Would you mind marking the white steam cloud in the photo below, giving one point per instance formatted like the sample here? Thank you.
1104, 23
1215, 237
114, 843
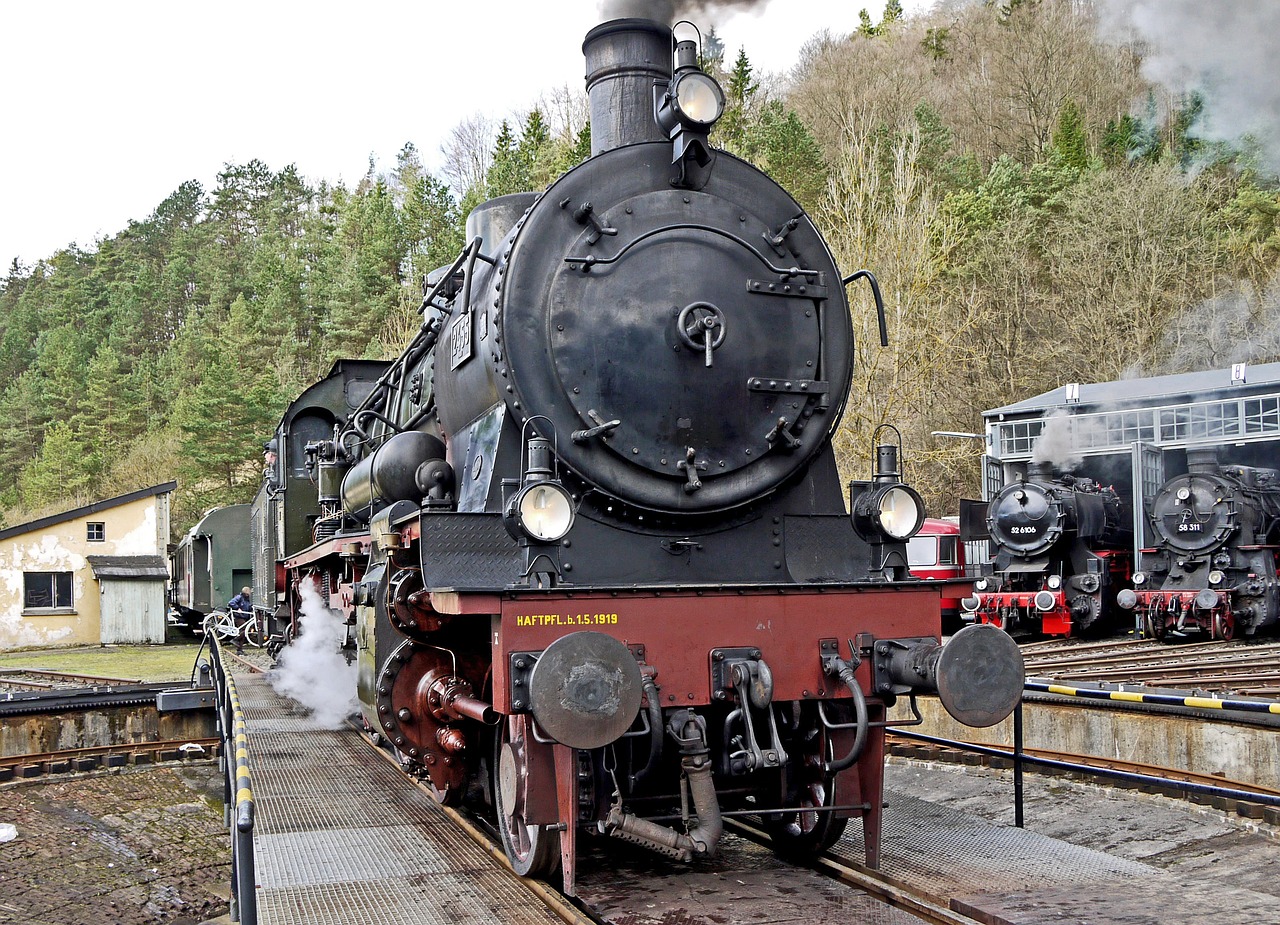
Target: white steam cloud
671, 11
1056, 443
1237, 326
1226, 51
312, 669
1065, 438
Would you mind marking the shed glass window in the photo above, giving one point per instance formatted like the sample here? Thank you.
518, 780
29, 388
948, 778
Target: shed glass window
1019, 437
1262, 415
47, 590
97, 532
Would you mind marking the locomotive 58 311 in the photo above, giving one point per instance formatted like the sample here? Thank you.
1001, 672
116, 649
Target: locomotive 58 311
1213, 569
590, 525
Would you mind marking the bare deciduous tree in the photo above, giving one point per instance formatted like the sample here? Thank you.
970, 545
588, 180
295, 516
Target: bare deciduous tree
467, 154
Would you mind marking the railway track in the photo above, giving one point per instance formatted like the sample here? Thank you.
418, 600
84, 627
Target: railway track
882, 888
1167, 781
38, 679
59, 700
71, 760
1241, 668
873, 882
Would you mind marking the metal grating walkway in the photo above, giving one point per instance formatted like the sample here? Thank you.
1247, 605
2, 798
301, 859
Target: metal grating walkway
1009, 876
342, 837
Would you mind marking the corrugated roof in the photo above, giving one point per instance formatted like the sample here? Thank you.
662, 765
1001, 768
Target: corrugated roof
1213, 383
128, 566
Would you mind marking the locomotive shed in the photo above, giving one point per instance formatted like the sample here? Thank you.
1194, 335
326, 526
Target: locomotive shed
342, 836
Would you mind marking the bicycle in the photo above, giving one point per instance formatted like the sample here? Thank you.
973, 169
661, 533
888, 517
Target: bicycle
234, 626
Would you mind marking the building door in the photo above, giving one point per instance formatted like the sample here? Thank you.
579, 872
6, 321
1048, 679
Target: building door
133, 612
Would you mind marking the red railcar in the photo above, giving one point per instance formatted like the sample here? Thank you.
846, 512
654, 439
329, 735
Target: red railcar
936, 552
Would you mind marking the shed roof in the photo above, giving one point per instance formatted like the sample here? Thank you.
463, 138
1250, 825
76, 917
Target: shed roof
128, 566
1212, 383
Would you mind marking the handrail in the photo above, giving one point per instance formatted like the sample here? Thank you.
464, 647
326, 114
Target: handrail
1021, 757
1174, 700
237, 790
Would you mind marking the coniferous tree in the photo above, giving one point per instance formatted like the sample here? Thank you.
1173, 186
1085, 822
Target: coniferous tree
1069, 139
740, 90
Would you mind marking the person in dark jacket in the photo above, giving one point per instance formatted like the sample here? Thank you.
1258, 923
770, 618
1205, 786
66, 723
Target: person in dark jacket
241, 609
242, 603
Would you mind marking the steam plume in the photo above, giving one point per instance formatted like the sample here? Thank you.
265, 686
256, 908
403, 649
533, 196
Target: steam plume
1064, 439
671, 11
1224, 50
1055, 444
1239, 325
312, 670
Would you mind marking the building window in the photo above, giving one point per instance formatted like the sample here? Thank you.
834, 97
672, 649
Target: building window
97, 532
47, 591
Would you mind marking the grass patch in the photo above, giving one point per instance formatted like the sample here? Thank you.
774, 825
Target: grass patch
142, 663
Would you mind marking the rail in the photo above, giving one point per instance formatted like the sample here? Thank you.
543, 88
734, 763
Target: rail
1021, 757
96, 757
237, 790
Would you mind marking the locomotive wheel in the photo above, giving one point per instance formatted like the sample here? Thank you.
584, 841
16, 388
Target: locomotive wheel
806, 832
532, 850
449, 796
1224, 627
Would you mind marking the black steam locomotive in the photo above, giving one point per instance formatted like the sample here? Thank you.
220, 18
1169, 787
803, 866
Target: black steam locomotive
588, 526
1213, 568
286, 515
1061, 550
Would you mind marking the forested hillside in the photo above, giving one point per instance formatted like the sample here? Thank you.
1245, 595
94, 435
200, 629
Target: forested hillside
1036, 214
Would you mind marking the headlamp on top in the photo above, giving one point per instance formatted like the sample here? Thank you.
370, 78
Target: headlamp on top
697, 99
687, 107
541, 511
887, 508
893, 511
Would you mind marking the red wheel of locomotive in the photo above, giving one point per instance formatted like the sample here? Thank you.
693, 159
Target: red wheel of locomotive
533, 849
1224, 627
810, 830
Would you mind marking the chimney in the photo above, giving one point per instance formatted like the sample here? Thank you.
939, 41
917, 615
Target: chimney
626, 58
1039, 470
1202, 460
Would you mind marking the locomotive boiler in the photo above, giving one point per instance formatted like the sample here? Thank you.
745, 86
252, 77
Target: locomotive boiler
1212, 570
1061, 553
609, 579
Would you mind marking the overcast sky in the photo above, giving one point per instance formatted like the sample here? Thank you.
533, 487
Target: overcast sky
110, 106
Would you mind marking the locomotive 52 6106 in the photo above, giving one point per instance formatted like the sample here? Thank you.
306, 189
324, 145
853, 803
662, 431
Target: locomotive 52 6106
591, 526
1061, 552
